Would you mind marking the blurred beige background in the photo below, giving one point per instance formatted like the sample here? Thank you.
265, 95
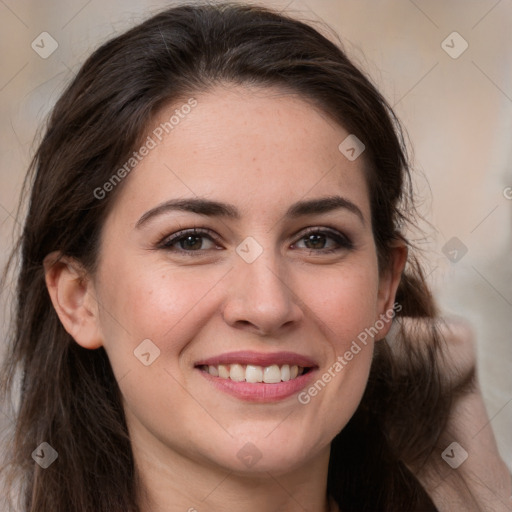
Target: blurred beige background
455, 102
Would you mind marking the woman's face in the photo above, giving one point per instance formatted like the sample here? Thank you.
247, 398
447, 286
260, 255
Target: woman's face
251, 295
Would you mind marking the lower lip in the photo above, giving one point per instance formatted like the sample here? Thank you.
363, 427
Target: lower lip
260, 391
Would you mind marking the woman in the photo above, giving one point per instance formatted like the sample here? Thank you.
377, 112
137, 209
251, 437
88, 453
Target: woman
212, 259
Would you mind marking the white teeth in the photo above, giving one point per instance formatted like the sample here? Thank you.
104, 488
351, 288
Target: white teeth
237, 373
223, 371
253, 373
272, 374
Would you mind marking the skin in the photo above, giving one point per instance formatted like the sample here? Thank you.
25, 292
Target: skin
196, 308
261, 151
482, 481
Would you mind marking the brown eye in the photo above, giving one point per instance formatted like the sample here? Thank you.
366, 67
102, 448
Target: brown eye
188, 241
317, 240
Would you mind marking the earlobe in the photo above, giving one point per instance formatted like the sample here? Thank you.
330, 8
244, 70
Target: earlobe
72, 295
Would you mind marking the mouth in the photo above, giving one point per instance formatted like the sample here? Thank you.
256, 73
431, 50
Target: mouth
258, 377
272, 374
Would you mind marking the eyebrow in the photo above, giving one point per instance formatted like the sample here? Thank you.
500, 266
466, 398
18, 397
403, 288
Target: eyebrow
211, 208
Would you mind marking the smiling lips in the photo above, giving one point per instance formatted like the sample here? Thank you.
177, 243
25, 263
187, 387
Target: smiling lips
256, 376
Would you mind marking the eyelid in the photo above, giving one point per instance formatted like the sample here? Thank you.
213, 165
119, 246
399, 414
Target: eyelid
323, 229
167, 240
343, 241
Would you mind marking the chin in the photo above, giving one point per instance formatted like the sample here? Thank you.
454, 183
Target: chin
253, 455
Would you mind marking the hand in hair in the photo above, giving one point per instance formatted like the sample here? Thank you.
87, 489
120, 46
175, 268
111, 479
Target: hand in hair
482, 481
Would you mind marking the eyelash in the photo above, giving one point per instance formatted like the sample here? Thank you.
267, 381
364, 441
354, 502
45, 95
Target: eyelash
344, 243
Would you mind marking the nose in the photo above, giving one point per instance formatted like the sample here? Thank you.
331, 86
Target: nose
261, 297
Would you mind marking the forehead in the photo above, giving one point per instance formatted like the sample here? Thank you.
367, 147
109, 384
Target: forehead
261, 148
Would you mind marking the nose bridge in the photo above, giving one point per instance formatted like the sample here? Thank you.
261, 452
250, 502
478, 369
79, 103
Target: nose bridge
266, 274
259, 292
264, 277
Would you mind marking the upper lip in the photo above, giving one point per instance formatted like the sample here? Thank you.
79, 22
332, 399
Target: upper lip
259, 359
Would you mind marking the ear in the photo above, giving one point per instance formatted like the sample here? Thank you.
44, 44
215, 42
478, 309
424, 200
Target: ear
73, 297
388, 285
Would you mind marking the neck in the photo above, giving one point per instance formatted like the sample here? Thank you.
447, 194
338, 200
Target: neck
171, 482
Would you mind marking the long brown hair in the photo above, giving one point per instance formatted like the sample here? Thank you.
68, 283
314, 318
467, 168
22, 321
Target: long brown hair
69, 396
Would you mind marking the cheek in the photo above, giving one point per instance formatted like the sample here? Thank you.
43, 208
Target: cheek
163, 306
140, 302
172, 306
346, 302
168, 306
346, 307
